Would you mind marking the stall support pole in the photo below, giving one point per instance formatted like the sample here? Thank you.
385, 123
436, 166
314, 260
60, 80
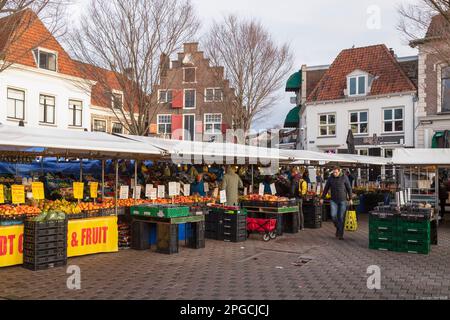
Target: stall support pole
42, 165
116, 186
135, 181
436, 193
253, 183
81, 170
103, 179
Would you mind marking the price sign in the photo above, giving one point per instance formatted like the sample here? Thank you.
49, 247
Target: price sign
124, 192
148, 190
245, 191
250, 189
93, 188
223, 196
137, 192
172, 189
18, 194
178, 188
402, 198
2, 193
38, 190
273, 189
206, 187
215, 193
153, 193
78, 190
261, 189
161, 192
187, 190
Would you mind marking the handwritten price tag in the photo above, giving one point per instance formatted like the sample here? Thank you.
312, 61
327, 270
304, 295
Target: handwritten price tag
223, 196
161, 192
38, 190
94, 190
18, 194
2, 193
78, 190
124, 192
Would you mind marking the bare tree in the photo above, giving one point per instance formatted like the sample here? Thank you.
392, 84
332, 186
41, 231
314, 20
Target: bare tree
255, 66
427, 23
124, 40
16, 19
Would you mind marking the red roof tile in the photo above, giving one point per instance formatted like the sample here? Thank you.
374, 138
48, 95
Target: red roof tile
375, 60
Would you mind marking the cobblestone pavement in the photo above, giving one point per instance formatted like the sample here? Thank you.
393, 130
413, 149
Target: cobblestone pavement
308, 265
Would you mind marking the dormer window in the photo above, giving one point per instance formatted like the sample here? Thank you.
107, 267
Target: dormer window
117, 101
45, 59
357, 86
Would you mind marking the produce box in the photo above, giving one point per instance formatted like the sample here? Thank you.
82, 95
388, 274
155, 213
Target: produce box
161, 211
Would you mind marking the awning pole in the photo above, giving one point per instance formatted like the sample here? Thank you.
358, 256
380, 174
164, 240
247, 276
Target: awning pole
103, 179
81, 170
253, 183
135, 181
116, 186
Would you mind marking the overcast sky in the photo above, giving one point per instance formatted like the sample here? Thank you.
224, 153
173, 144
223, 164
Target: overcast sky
316, 30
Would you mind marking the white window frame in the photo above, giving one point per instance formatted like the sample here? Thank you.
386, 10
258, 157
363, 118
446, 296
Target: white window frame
165, 124
37, 58
357, 77
116, 92
71, 113
393, 120
214, 95
440, 96
184, 99
213, 123
327, 125
358, 112
103, 120
54, 110
24, 103
184, 129
165, 100
363, 149
184, 75
112, 127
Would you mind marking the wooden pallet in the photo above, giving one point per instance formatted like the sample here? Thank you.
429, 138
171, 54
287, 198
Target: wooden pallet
274, 210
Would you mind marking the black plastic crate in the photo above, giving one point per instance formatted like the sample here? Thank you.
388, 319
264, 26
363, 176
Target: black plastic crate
291, 223
140, 235
234, 218
44, 246
316, 225
195, 235
60, 256
45, 266
43, 225
234, 238
167, 238
45, 239
56, 252
44, 232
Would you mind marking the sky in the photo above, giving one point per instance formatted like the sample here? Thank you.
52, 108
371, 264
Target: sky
316, 30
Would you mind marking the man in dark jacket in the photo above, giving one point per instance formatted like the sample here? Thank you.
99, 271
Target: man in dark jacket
341, 192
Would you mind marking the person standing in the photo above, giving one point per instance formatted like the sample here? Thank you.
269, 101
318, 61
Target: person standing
231, 183
299, 189
341, 192
443, 194
198, 187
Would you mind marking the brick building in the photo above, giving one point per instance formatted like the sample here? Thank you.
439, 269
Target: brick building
193, 99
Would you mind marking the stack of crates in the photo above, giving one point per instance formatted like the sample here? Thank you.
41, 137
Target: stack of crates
312, 213
408, 230
226, 225
45, 244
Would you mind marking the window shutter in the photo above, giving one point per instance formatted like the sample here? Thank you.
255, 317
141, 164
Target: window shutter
153, 128
225, 127
177, 102
177, 127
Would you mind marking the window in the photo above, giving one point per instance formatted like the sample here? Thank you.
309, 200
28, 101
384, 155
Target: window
445, 93
99, 126
189, 75
359, 122
189, 99
45, 60
213, 123
357, 86
16, 104
47, 109
117, 100
363, 152
388, 153
327, 125
164, 124
165, 96
213, 95
393, 120
75, 113
117, 128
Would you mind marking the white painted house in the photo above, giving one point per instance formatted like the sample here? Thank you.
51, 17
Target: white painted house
366, 91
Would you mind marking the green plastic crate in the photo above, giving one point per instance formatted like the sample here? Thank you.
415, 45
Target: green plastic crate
414, 226
419, 247
383, 245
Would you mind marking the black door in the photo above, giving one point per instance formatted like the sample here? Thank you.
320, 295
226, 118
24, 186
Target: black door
189, 127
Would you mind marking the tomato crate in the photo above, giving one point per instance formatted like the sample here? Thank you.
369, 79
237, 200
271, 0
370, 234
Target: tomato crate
45, 265
419, 247
383, 245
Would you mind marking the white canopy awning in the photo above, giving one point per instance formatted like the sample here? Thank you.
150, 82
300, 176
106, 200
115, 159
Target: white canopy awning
72, 143
302, 156
421, 157
210, 150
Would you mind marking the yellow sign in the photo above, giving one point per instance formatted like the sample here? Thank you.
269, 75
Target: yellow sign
38, 190
18, 194
91, 236
94, 190
2, 193
78, 190
11, 246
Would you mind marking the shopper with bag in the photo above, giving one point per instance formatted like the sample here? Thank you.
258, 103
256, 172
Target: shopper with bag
341, 192
299, 188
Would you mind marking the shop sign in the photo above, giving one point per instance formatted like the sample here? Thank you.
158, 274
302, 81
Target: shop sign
18, 194
94, 190
11, 246
91, 236
78, 190
2, 193
38, 190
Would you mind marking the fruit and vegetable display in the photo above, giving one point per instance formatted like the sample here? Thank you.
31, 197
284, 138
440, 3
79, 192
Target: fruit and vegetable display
12, 212
264, 198
52, 215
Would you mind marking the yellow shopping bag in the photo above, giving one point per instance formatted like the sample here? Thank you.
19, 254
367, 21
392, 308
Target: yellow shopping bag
351, 223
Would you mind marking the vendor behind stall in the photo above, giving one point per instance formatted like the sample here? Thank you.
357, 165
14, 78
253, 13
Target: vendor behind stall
198, 186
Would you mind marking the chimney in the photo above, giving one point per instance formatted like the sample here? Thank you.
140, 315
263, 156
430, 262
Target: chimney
392, 52
164, 64
191, 47
21, 123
